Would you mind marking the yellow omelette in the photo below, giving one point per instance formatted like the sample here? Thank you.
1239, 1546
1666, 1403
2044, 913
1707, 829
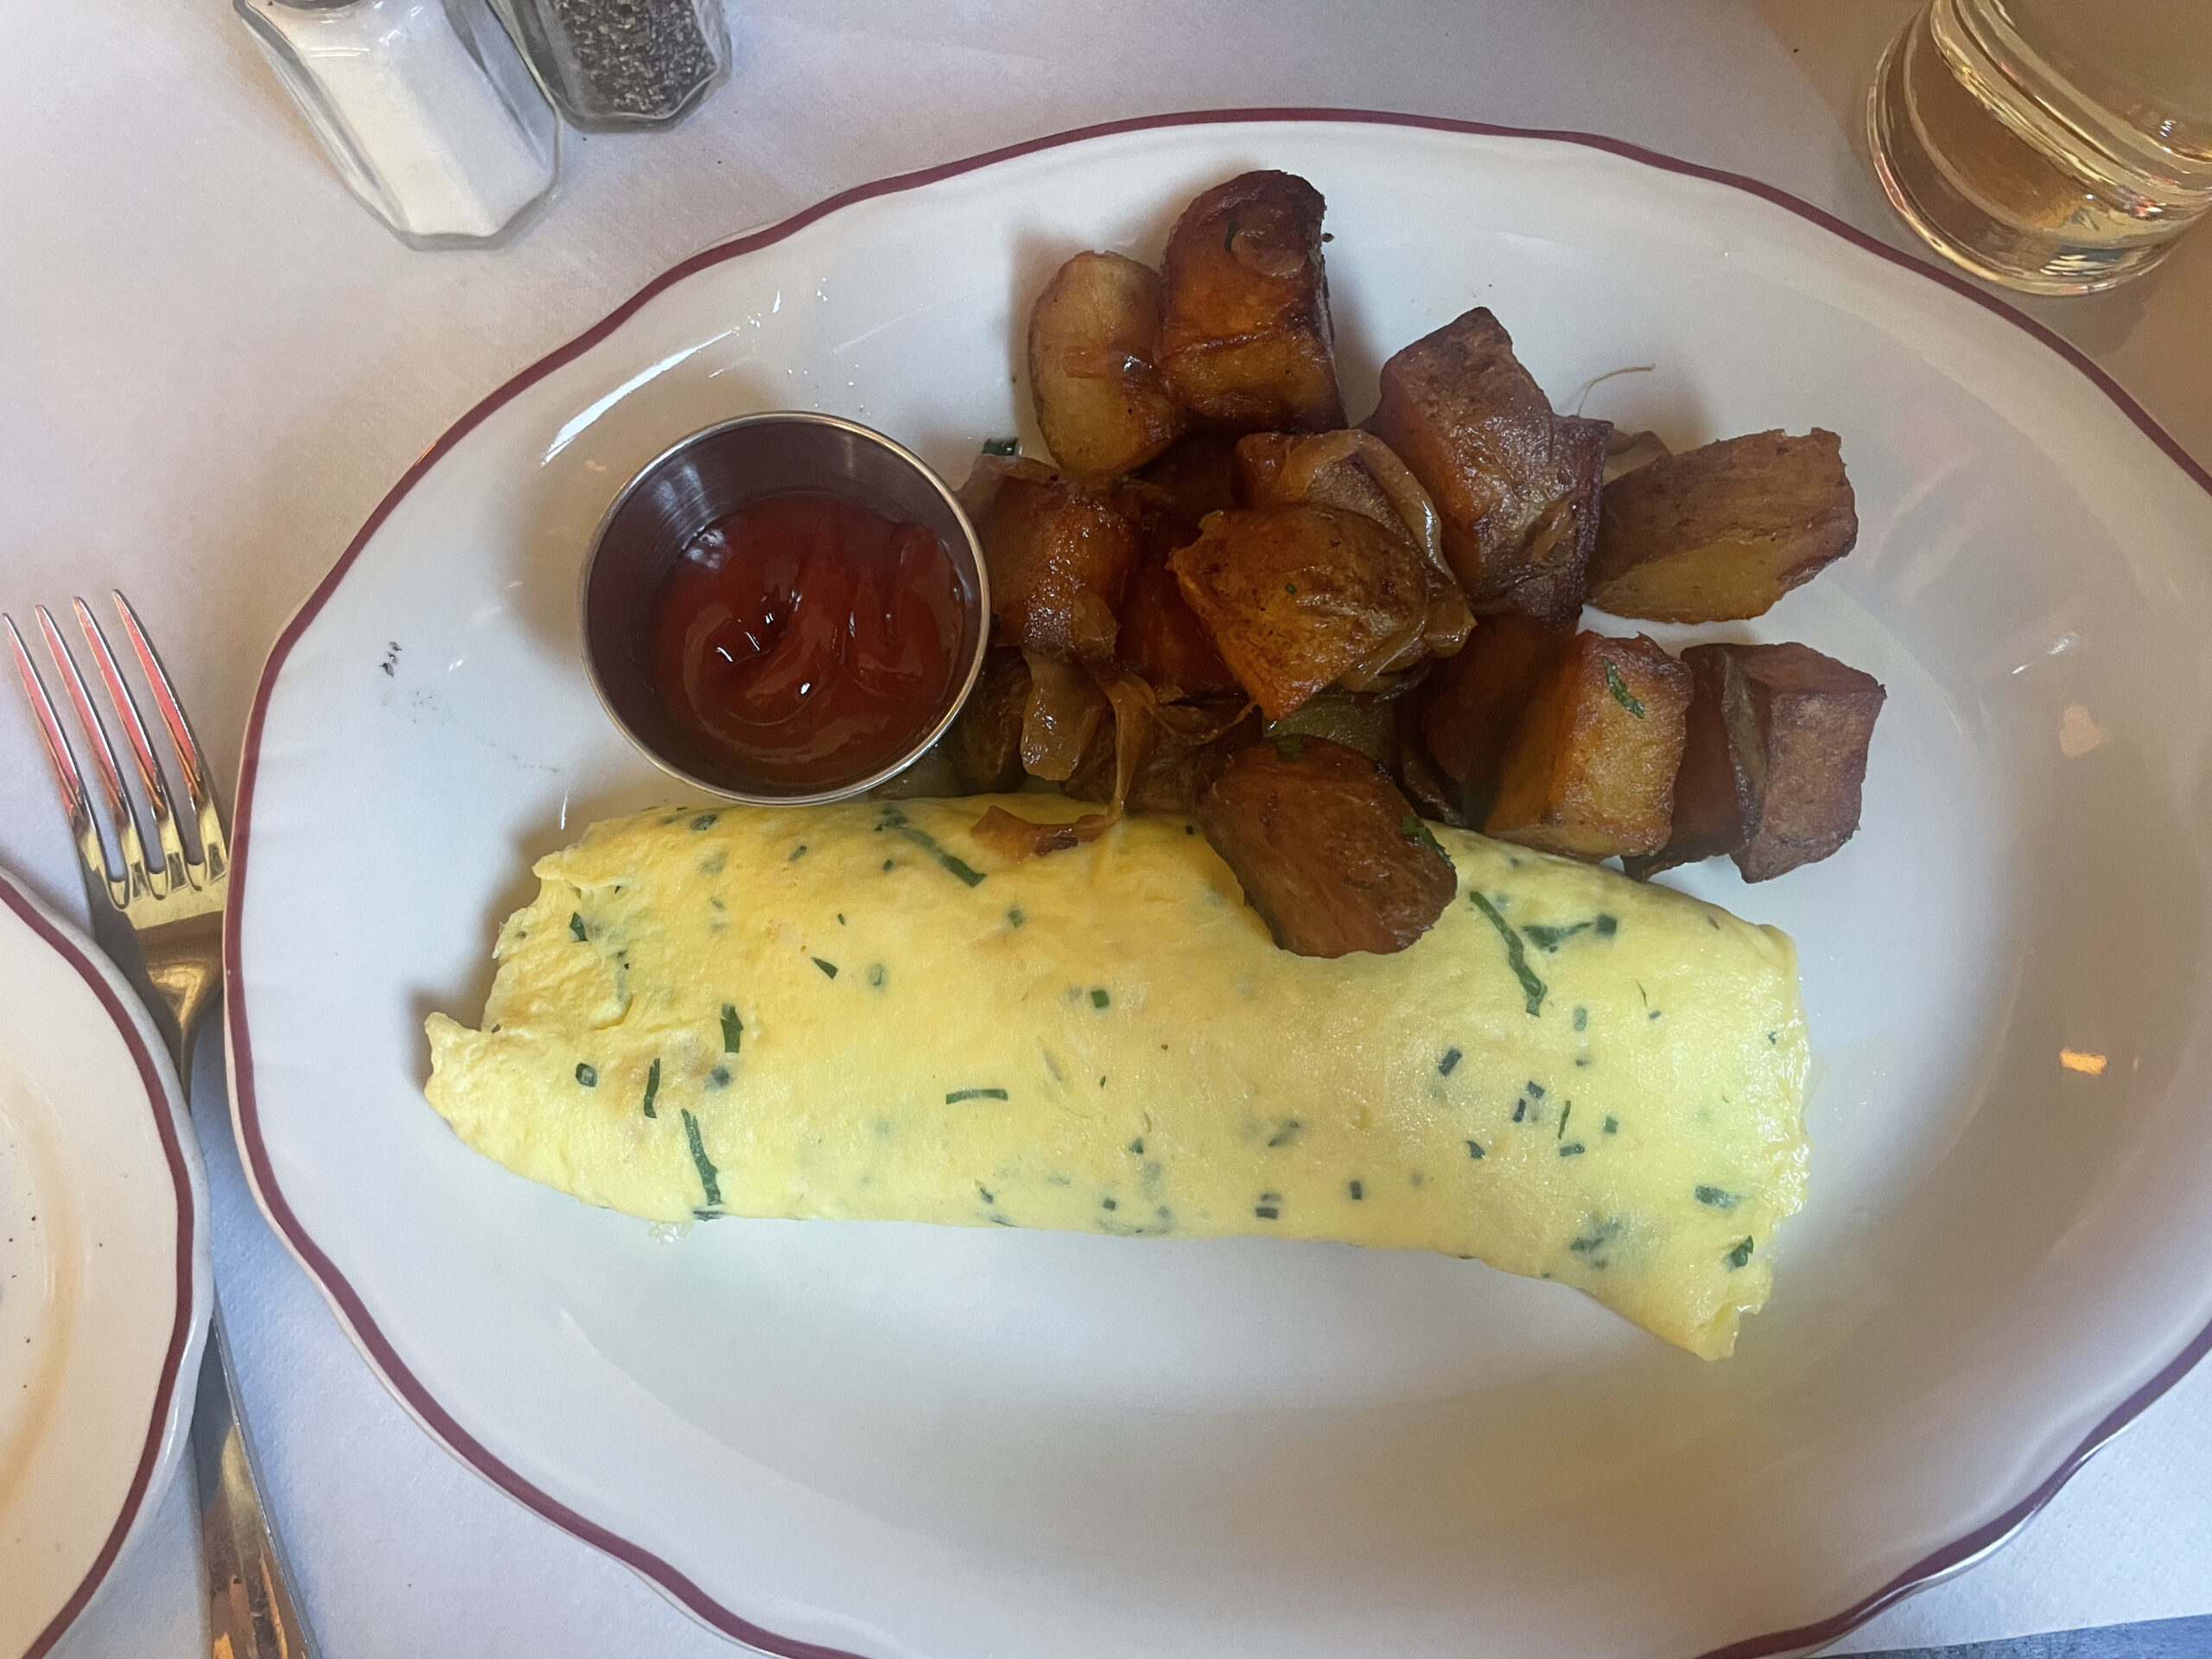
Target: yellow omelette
856, 1012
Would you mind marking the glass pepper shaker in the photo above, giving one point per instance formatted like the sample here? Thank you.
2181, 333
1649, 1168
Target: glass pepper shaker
616, 65
424, 107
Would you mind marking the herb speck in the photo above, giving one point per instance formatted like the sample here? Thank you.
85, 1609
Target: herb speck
707, 1171
1356, 1190
1532, 989
576, 927
652, 1087
1446, 1065
1098, 997
828, 968
1740, 1255
587, 1074
1619, 687
732, 1029
1419, 833
959, 1095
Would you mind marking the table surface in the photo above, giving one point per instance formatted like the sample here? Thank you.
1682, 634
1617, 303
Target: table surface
215, 364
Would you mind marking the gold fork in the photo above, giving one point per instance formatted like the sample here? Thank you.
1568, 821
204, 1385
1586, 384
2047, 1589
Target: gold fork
172, 916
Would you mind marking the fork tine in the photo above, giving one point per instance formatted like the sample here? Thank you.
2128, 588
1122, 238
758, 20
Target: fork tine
214, 849
173, 868
134, 882
66, 777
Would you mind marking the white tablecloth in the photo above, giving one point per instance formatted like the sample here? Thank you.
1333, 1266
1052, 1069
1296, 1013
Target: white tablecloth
212, 363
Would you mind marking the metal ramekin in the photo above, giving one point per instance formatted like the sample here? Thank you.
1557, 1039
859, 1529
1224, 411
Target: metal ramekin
704, 478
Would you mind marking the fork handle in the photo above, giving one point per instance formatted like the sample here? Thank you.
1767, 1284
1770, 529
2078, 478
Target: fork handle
249, 1610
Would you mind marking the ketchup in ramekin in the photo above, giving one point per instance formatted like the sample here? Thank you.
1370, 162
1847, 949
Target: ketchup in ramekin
806, 639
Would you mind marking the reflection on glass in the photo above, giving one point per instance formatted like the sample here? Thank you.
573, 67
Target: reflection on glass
2057, 146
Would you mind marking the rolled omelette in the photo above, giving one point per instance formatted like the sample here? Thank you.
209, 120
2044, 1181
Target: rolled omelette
857, 1011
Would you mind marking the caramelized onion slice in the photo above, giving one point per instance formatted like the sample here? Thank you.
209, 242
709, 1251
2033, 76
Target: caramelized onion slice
1310, 457
1064, 708
1134, 727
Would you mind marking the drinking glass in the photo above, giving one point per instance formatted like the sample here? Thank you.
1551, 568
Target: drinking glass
2057, 146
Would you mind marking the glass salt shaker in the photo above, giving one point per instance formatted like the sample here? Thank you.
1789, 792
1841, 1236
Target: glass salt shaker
425, 109
617, 65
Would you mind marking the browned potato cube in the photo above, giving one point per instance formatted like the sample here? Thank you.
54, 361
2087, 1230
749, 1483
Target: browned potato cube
985, 741
1591, 772
1094, 337
1776, 757
1325, 848
1475, 702
1517, 486
1196, 475
1357, 472
1718, 534
1298, 598
1365, 721
1245, 341
1162, 638
1059, 558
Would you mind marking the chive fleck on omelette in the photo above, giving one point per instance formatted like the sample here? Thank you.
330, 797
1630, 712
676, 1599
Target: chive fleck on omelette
857, 1011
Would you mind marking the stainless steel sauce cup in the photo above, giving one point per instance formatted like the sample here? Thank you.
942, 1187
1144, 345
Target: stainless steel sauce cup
704, 479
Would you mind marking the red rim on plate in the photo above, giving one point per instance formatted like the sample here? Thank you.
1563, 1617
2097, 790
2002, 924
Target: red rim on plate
149, 1074
425, 1405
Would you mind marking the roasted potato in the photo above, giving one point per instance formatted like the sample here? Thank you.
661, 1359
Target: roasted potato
1327, 850
1516, 485
1474, 701
1301, 597
1162, 638
1246, 340
1366, 721
1776, 756
1357, 472
1094, 336
1718, 534
1194, 476
1433, 793
1059, 558
1591, 769
985, 742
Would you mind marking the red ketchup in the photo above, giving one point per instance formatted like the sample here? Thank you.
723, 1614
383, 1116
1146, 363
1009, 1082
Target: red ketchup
807, 640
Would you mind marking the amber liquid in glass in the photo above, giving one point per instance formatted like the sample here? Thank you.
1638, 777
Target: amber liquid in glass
2058, 146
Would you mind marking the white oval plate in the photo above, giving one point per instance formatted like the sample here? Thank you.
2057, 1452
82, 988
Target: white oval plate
885, 1440
103, 1278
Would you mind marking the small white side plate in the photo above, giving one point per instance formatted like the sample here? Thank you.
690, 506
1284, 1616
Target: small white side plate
104, 1279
